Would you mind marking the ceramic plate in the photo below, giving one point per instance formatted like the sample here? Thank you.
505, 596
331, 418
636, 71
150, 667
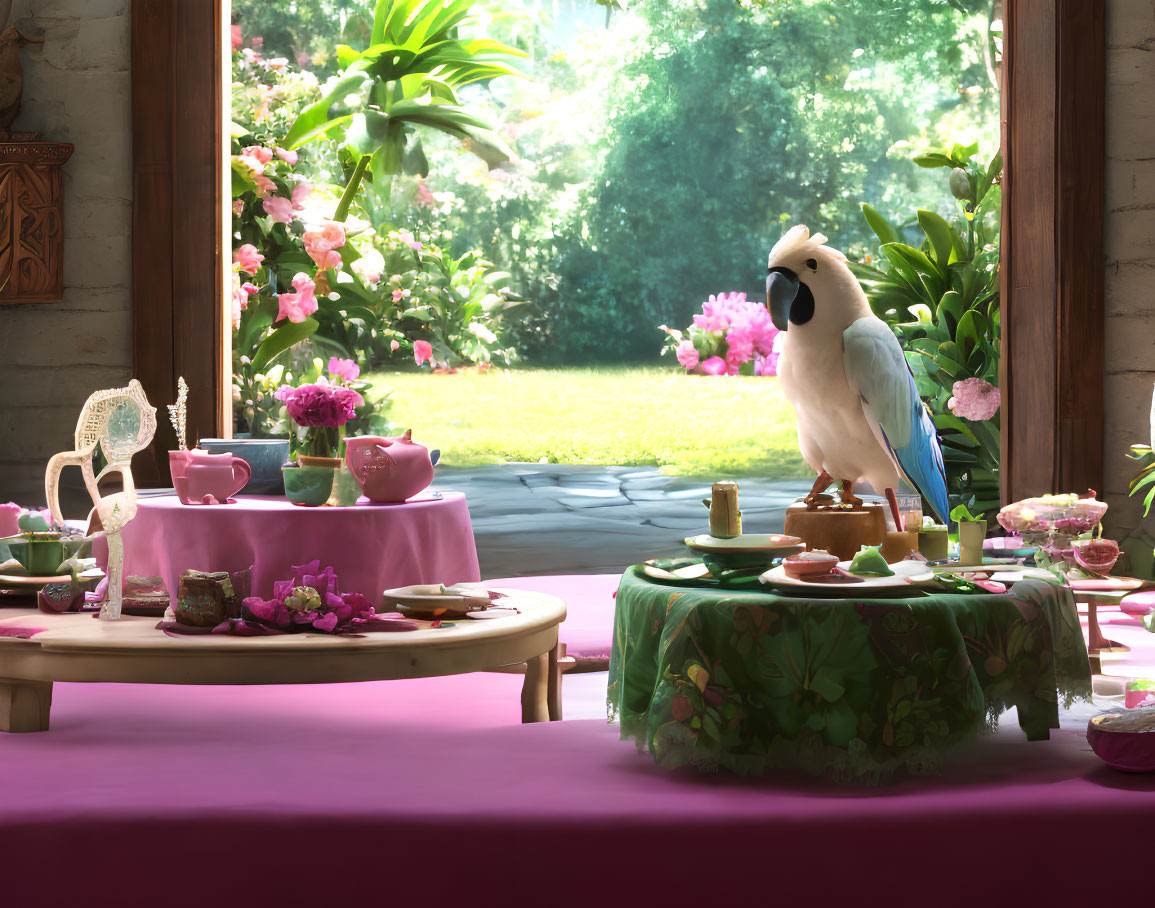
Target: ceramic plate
999, 573
1106, 584
429, 601
906, 573
29, 583
690, 572
771, 543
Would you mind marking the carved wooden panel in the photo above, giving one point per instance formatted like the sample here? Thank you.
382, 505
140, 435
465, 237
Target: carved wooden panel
31, 221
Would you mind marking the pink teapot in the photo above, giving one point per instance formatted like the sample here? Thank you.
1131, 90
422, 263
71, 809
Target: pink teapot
389, 469
210, 478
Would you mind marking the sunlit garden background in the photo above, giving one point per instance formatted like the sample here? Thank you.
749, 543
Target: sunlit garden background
505, 216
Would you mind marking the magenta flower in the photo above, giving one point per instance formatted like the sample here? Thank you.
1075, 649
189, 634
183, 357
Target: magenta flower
264, 185
248, 259
311, 600
279, 208
715, 365
974, 399
345, 369
422, 351
687, 354
321, 404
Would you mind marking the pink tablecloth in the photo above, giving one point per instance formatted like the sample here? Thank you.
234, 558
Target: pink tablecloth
373, 547
431, 793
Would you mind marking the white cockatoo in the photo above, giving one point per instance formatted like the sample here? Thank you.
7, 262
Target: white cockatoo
859, 413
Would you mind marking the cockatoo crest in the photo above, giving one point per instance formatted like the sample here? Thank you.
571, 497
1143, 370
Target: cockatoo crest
797, 243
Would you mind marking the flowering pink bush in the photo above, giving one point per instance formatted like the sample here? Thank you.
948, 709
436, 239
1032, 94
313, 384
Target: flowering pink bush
422, 351
732, 335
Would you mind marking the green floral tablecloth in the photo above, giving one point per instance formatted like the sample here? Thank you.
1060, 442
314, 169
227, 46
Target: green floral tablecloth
857, 688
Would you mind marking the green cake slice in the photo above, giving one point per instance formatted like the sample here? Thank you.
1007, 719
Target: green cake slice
870, 563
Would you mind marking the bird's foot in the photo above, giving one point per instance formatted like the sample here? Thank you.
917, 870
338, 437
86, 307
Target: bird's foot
814, 502
821, 484
847, 495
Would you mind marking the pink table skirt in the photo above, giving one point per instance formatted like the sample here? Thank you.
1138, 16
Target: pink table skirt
372, 547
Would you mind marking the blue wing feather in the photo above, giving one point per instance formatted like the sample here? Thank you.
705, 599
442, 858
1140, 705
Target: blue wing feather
921, 458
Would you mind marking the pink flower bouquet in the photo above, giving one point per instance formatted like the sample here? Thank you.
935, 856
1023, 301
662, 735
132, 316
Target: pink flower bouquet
732, 336
321, 409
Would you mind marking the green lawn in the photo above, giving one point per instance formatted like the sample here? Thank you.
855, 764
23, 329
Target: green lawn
632, 415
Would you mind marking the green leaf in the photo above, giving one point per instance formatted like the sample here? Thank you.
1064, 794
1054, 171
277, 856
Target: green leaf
934, 159
881, 226
288, 335
329, 113
939, 233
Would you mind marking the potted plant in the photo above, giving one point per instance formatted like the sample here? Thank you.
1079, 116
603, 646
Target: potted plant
320, 410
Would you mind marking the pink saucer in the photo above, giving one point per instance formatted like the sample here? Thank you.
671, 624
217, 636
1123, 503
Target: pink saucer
1138, 604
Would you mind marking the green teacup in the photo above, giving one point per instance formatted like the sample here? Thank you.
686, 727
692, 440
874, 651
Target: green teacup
39, 554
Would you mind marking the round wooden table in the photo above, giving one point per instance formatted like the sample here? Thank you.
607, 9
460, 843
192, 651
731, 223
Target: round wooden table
80, 647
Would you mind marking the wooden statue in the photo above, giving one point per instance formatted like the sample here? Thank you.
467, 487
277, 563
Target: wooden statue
31, 189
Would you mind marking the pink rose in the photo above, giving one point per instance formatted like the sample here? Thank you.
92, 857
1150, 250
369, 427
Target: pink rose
281, 210
424, 196
300, 193
235, 35
343, 368
286, 155
687, 355
397, 296
248, 259
297, 307
715, 365
394, 345
974, 399
422, 351
262, 154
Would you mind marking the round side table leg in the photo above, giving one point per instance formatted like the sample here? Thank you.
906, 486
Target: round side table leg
24, 705
553, 696
535, 690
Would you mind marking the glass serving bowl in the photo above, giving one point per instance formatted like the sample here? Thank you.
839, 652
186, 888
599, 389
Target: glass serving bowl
1052, 521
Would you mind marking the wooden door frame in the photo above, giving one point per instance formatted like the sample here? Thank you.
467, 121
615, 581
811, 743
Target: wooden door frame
178, 60
1051, 272
1052, 278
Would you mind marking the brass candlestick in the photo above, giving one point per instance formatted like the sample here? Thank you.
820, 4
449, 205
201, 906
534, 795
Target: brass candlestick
725, 518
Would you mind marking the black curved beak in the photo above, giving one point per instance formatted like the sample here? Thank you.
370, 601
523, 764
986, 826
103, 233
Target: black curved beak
781, 289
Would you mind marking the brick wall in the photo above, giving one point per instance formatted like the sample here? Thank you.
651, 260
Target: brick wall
53, 354
1129, 246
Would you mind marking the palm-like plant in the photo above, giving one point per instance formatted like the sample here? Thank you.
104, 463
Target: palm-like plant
408, 77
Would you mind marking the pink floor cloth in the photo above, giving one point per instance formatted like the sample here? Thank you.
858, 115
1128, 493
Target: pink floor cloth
427, 792
372, 547
588, 629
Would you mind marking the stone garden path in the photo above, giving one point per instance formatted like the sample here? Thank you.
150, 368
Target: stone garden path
533, 518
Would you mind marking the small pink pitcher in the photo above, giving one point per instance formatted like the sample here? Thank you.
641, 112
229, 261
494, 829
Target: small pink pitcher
211, 478
389, 469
